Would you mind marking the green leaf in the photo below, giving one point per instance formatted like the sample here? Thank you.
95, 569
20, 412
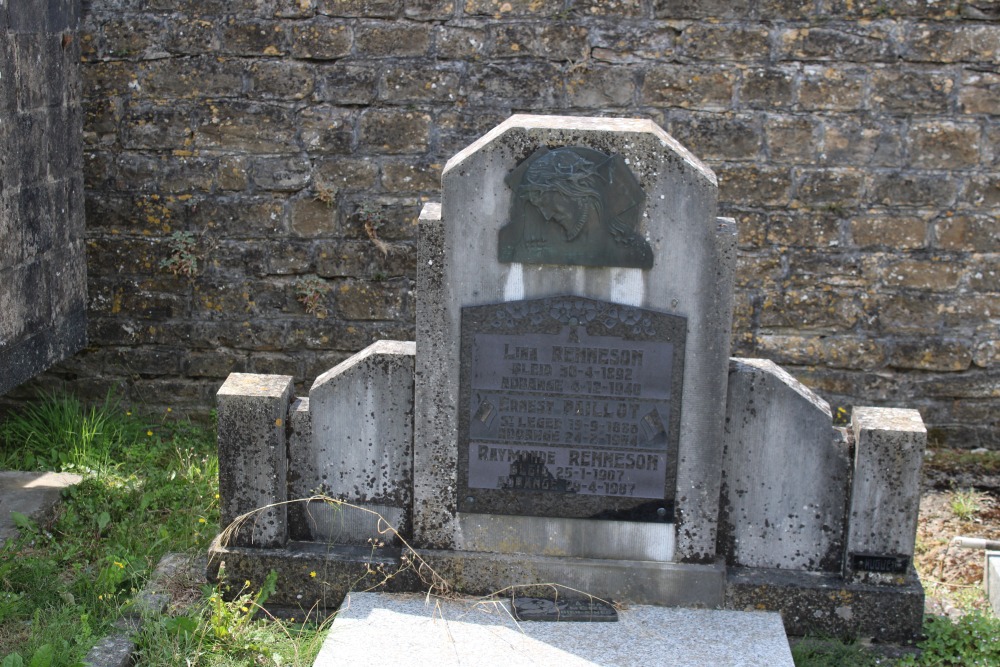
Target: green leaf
103, 519
13, 660
43, 656
22, 521
181, 625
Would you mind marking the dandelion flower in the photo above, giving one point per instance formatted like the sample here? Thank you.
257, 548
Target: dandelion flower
201, 519
149, 433
313, 574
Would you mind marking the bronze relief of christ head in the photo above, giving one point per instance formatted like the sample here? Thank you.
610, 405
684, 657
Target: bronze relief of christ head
575, 205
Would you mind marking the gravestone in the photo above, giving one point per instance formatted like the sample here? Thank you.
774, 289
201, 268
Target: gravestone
497, 249
569, 417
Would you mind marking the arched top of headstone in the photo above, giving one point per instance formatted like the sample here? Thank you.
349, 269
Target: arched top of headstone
564, 129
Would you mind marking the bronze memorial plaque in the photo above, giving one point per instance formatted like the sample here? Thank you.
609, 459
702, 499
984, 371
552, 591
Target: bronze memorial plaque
570, 407
575, 205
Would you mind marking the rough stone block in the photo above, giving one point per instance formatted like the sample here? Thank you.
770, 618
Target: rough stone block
381, 40
983, 190
395, 131
112, 651
896, 231
359, 8
832, 88
252, 413
405, 84
911, 91
711, 9
253, 38
944, 145
889, 448
827, 605
793, 139
281, 80
676, 85
321, 40
850, 142
852, 44
528, 84
968, 232
361, 414
282, 174
980, 92
913, 189
785, 473
712, 41
720, 137
343, 82
767, 88
499, 8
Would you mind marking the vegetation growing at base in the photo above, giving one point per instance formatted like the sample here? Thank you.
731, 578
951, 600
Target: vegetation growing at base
150, 487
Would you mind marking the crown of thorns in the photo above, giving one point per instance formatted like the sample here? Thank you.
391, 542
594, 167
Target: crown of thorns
561, 164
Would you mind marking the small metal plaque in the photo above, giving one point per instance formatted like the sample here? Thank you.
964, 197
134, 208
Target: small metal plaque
540, 609
879, 563
570, 408
575, 205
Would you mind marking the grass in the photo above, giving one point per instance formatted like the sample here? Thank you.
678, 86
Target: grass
966, 504
150, 487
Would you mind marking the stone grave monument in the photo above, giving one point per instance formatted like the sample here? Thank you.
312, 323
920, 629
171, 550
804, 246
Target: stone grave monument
569, 414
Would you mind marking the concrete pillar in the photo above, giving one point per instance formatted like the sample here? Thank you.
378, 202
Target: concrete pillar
885, 492
253, 463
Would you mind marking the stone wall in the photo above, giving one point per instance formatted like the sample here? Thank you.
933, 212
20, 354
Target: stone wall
43, 272
291, 143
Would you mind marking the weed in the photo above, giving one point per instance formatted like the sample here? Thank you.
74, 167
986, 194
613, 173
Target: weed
310, 292
325, 194
841, 416
217, 629
966, 504
969, 642
182, 260
372, 217
815, 652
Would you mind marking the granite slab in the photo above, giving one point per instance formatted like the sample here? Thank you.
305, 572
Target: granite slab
416, 629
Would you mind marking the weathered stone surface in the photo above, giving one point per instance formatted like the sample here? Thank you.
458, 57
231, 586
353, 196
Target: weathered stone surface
43, 272
450, 276
785, 521
709, 88
900, 88
708, 41
854, 44
252, 458
885, 488
832, 87
947, 145
899, 232
911, 91
361, 446
826, 605
967, 233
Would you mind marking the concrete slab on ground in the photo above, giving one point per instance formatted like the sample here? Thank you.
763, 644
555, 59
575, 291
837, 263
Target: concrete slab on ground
29, 493
410, 628
991, 580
